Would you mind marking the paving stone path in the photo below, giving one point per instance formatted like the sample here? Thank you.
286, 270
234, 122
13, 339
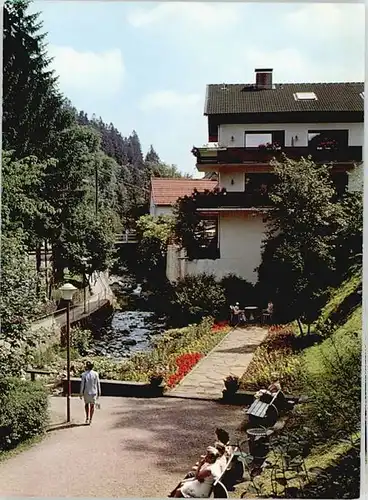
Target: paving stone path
231, 356
134, 448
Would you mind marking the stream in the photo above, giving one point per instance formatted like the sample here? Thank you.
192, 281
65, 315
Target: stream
131, 328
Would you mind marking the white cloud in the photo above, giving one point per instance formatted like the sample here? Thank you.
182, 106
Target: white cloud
170, 100
195, 13
328, 20
288, 64
89, 72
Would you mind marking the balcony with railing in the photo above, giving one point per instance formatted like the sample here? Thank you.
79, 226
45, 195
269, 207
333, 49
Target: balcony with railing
232, 200
325, 154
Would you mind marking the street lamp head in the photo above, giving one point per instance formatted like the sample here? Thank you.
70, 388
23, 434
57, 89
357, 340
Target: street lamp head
67, 291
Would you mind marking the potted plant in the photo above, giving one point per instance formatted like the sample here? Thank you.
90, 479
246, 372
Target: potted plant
327, 145
232, 383
156, 379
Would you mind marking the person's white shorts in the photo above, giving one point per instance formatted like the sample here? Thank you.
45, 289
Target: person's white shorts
90, 399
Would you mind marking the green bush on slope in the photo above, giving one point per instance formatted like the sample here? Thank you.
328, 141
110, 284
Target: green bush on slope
23, 411
343, 301
332, 378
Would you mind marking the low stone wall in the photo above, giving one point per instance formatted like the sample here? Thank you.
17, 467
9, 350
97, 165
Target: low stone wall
120, 388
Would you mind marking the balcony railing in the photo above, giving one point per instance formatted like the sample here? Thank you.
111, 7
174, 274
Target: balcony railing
232, 200
242, 155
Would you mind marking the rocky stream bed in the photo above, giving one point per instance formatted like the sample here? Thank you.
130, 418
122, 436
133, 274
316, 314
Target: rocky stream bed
130, 329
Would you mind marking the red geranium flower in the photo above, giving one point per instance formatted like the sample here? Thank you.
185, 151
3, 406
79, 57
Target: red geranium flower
184, 363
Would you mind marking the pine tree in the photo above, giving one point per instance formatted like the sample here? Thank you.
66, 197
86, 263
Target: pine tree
152, 156
33, 108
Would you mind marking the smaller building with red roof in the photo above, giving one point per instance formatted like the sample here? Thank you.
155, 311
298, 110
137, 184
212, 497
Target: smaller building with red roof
165, 192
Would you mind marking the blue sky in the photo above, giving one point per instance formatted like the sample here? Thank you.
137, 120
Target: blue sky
145, 65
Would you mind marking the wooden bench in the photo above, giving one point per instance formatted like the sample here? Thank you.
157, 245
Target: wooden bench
219, 489
267, 412
34, 372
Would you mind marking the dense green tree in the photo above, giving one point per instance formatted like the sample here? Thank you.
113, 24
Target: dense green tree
191, 229
349, 243
154, 234
298, 258
70, 183
33, 108
23, 203
163, 170
84, 236
19, 304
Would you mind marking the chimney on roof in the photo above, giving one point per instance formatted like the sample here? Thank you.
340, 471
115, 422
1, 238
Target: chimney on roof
264, 78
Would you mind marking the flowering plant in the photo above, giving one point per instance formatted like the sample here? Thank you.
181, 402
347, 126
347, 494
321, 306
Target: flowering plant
232, 383
156, 378
327, 144
270, 146
184, 363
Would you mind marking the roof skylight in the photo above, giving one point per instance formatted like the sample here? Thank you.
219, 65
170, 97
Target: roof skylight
305, 96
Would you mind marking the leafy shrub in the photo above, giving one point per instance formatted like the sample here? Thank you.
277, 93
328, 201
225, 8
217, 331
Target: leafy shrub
81, 340
343, 301
340, 480
23, 411
196, 297
153, 236
332, 378
266, 365
238, 290
281, 338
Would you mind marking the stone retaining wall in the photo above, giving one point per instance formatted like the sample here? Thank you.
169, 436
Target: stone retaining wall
120, 388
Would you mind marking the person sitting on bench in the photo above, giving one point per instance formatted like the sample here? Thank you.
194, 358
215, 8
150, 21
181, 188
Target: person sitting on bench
268, 312
206, 474
220, 464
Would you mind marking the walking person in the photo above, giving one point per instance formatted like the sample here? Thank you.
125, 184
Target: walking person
90, 390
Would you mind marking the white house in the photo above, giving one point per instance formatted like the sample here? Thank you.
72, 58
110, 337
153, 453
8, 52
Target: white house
165, 192
248, 125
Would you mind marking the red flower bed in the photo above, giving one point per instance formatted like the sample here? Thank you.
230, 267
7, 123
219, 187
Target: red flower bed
184, 363
219, 326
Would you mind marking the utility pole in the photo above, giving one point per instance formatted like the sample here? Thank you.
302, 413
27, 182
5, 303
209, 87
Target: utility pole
96, 188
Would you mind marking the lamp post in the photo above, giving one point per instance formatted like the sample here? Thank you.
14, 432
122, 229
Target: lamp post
84, 263
67, 292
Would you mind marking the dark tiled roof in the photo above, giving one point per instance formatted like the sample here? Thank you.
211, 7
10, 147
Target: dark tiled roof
241, 98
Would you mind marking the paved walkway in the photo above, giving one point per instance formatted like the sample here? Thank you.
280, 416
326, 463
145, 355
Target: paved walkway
134, 448
231, 356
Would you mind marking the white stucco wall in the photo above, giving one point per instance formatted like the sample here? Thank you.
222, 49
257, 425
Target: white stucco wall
225, 179
240, 248
291, 131
160, 210
356, 179
152, 206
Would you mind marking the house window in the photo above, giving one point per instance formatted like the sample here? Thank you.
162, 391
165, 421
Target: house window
327, 139
257, 139
206, 238
253, 140
305, 96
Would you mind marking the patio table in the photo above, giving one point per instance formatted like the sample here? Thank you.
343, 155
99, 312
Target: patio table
251, 310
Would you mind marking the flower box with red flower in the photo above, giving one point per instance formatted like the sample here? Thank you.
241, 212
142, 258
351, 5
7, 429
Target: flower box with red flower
327, 145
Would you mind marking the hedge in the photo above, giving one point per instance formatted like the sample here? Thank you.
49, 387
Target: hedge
23, 411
